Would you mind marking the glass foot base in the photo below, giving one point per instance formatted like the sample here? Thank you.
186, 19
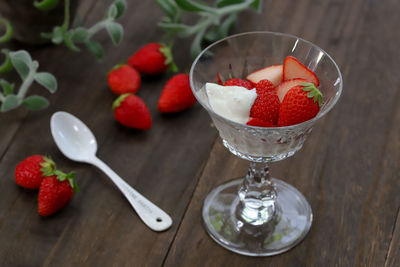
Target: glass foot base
286, 229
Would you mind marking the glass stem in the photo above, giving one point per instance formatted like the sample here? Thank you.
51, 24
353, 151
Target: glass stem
257, 195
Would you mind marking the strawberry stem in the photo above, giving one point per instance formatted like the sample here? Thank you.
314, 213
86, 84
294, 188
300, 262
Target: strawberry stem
119, 100
61, 176
169, 60
313, 92
48, 166
116, 67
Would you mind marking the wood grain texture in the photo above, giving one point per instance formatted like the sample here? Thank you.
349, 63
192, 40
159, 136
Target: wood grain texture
99, 227
347, 169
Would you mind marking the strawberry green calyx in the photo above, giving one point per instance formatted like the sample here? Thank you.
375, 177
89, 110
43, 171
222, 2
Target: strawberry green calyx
48, 166
119, 100
313, 92
169, 60
117, 67
61, 176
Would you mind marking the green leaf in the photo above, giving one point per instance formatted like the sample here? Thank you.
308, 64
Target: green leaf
35, 102
121, 6
221, 31
47, 80
8, 88
95, 48
46, 5
115, 31
228, 24
22, 62
9, 30
7, 65
79, 35
181, 29
222, 3
193, 6
195, 49
10, 102
69, 43
57, 36
168, 8
256, 5
112, 11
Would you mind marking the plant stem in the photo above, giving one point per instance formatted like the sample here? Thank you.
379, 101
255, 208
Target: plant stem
2, 97
23, 89
66, 15
234, 8
98, 26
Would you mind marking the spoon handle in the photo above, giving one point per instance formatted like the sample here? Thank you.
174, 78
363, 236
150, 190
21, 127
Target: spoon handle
151, 215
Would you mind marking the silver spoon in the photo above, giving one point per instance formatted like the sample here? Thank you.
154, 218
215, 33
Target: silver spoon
77, 142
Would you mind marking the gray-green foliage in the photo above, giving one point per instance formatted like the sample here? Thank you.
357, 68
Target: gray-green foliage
74, 37
27, 69
214, 22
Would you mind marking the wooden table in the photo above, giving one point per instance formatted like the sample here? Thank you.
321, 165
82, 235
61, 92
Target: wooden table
348, 168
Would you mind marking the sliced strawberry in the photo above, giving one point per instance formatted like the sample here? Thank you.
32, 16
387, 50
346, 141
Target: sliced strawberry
239, 82
285, 86
292, 69
272, 73
260, 123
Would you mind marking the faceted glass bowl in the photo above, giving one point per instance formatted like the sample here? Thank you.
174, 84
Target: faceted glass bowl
258, 215
242, 54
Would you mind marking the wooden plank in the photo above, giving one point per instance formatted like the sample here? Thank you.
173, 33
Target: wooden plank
393, 256
347, 169
99, 228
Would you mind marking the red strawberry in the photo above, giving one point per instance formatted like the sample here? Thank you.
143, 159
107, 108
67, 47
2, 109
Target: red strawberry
219, 81
292, 69
55, 192
239, 82
264, 86
30, 172
259, 122
124, 79
153, 58
266, 105
300, 104
284, 87
131, 111
272, 73
176, 95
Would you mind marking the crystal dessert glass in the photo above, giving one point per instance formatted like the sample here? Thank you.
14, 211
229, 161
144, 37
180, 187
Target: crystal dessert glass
258, 215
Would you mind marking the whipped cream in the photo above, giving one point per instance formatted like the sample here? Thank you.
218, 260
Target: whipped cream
231, 102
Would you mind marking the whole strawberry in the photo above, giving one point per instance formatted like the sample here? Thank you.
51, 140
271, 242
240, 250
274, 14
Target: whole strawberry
30, 172
176, 95
300, 104
131, 111
239, 82
153, 59
55, 192
266, 105
123, 79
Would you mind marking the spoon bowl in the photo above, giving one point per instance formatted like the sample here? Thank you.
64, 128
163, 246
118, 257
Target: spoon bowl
74, 139
77, 142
